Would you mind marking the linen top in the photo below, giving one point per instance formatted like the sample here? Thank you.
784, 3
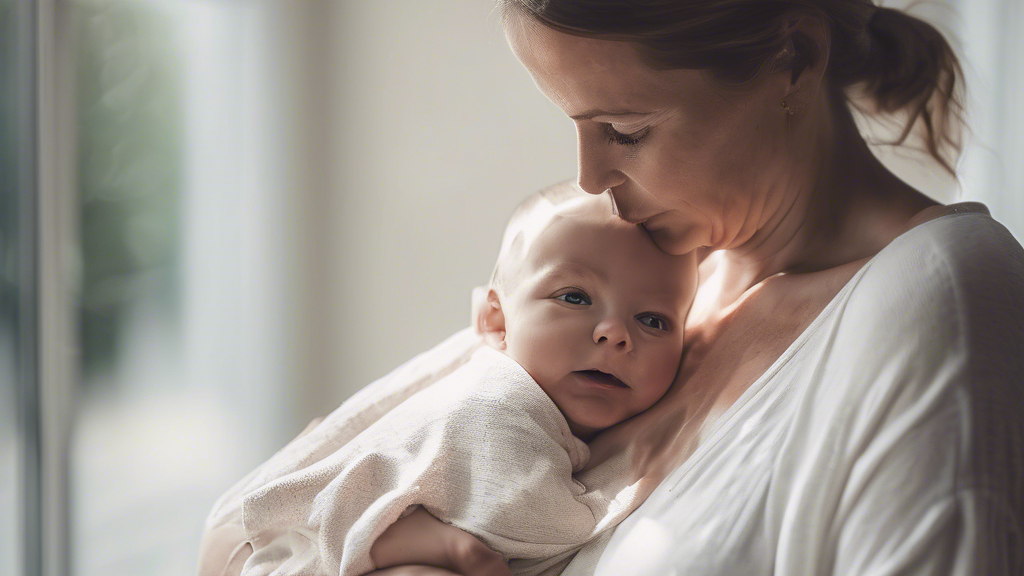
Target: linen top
888, 438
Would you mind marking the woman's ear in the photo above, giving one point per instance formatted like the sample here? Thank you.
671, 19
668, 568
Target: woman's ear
806, 58
488, 318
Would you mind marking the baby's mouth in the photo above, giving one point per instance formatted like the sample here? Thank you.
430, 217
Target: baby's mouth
603, 378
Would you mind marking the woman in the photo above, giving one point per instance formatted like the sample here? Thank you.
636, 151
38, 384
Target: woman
841, 406
849, 399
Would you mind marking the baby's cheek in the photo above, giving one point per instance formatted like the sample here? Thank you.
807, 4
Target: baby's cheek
535, 355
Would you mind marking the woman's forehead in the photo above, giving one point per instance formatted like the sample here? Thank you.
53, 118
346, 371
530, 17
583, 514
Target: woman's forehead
578, 73
585, 76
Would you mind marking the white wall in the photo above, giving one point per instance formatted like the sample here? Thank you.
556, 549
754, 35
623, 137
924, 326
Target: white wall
436, 133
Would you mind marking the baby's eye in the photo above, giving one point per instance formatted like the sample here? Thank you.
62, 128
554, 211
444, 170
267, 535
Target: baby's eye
653, 321
574, 298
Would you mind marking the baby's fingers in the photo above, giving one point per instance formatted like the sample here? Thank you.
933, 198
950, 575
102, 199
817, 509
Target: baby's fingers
412, 571
471, 557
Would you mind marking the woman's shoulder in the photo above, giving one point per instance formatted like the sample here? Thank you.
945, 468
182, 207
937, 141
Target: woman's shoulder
960, 234
946, 297
959, 264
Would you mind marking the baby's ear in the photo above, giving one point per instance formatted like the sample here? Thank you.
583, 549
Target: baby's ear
488, 319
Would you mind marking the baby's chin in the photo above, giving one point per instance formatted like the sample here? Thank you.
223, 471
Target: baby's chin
587, 431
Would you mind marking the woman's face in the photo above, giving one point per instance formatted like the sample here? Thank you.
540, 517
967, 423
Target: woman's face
698, 164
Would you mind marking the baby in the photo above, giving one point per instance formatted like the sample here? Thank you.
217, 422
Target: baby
583, 325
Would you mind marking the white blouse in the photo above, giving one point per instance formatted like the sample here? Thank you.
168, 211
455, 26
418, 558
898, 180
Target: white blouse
888, 439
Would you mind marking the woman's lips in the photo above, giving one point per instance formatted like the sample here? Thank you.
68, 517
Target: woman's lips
633, 218
603, 378
626, 211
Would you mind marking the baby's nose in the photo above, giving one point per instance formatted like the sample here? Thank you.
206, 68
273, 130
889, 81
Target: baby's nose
612, 332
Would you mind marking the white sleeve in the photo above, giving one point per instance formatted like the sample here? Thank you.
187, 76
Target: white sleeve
923, 462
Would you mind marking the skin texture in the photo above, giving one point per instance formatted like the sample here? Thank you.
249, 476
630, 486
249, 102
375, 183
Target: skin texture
594, 295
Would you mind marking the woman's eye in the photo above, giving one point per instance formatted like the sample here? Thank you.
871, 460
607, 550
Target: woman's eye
631, 139
574, 298
655, 322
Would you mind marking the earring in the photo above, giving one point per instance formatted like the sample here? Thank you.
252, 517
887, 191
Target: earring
786, 107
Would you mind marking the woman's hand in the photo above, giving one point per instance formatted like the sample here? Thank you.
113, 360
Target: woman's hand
421, 545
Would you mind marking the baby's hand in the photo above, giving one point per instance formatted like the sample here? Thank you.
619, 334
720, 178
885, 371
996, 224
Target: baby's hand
421, 545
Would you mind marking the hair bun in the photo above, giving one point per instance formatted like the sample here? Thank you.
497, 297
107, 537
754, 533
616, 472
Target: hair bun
911, 67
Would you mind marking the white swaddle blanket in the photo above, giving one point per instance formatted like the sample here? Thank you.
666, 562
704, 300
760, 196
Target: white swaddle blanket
483, 449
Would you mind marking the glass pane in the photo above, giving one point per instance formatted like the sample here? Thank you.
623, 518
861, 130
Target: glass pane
19, 472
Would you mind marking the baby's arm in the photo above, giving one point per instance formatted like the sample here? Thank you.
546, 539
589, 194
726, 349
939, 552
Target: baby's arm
421, 539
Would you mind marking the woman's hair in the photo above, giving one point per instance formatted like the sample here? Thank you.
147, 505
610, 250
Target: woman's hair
903, 63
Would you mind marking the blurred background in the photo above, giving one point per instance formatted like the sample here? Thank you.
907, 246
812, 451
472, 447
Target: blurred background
219, 218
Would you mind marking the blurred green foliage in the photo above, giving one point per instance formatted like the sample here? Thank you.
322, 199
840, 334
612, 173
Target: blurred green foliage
130, 121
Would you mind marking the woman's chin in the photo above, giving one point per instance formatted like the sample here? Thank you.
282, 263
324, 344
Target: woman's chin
673, 240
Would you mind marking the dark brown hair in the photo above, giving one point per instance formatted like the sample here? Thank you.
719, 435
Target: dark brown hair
904, 64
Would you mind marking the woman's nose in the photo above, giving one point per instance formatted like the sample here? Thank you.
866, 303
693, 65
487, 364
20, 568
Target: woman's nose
597, 171
612, 332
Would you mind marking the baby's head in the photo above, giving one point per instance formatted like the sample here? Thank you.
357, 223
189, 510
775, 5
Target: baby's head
589, 306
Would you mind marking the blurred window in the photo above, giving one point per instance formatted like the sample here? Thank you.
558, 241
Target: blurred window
20, 500
172, 313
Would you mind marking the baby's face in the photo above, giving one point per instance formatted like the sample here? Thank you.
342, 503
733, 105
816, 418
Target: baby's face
596, 317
